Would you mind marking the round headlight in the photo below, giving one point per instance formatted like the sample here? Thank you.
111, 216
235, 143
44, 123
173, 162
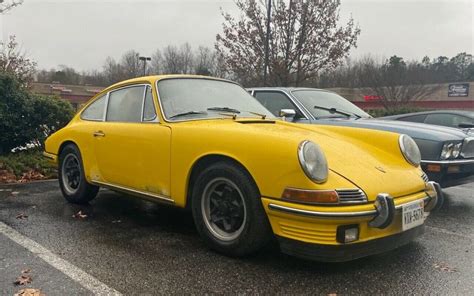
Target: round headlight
410, 150
313, 161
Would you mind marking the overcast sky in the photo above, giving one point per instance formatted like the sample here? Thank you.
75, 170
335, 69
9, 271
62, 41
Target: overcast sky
81, 34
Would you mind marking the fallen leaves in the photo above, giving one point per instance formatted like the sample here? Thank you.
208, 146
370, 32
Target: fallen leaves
7, 177
31, 175
444, 267
24, 278
29, 292
21, 216
79, 215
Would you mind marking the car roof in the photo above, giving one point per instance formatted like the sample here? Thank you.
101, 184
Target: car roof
152, 78
457, 112
287, 89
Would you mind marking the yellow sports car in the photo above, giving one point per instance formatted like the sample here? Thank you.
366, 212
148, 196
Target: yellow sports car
327, 193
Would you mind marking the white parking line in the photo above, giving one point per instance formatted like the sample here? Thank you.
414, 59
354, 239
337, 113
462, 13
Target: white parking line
445, 231
78, 275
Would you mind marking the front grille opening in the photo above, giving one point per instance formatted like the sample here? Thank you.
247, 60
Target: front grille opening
351, 196
425, 177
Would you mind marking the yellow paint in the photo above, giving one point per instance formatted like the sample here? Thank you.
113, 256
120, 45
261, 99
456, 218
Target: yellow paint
158, 157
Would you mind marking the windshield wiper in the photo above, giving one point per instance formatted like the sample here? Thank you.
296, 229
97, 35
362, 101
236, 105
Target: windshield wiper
188, 113
334, 110
225, 109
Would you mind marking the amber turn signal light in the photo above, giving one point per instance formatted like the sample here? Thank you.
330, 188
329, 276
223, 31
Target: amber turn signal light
434, 168
311, 196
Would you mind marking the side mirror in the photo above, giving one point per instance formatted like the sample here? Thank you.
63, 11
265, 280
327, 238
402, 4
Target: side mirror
463, 125
288, 113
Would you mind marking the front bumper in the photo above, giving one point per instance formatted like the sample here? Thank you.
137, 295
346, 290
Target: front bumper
449, 172
51, 157
317, 226
348, 252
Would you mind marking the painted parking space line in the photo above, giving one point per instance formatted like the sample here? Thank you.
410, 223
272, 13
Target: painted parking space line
78, 275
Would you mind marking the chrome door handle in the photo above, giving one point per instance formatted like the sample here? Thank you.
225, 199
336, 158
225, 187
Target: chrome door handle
99, 134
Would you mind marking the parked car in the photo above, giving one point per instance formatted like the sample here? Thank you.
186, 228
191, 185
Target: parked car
328, 193
461, 119
447, 154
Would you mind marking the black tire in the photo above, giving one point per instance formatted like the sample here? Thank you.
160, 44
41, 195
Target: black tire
254, 231
78, 191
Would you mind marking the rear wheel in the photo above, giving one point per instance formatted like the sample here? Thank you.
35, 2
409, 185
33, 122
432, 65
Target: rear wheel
72, 181
227, 210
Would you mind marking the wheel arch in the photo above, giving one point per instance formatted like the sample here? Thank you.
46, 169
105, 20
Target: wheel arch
204, 162
64, 144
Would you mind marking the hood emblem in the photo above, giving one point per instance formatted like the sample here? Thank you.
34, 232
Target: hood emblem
380, 169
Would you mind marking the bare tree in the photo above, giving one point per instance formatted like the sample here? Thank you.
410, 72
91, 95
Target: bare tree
305, 39
131, 65
171, 60
186, 57
7, 5
157, 62
14, 62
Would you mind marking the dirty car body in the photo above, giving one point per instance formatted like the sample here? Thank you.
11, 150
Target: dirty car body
326, 192
447, 153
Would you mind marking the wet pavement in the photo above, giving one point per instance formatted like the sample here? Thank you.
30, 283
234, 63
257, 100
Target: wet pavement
139, 248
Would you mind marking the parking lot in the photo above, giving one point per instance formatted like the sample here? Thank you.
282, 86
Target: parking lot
120, 244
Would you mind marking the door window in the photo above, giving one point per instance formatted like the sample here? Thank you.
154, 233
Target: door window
446, 119
274, 101
414, 118
95, 111
125, 105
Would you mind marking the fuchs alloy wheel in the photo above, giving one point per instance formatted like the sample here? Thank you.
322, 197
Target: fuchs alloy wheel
72, 181
71, 173
223, 209
228, 212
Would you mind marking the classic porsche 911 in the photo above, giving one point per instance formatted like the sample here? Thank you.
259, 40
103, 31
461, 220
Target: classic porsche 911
327, 193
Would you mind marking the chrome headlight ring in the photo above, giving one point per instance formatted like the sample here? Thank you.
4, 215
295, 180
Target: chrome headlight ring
313, 161
410, 150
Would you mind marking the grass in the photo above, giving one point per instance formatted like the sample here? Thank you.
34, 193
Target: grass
26, 166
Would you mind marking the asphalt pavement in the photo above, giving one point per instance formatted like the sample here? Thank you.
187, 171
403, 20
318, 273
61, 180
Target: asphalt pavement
126, 245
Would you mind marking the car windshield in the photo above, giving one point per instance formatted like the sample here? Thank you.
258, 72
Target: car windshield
323, 104
191, 98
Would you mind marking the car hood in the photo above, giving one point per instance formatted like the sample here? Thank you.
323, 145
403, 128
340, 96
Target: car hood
370, 159
413, 129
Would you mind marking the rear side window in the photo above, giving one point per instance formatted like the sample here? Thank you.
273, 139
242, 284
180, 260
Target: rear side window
125, 105
446, 119
149, 113
414, 118
95, 111
274, 101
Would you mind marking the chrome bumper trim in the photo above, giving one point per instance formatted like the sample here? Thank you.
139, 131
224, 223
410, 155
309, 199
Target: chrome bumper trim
453, 161
369, 213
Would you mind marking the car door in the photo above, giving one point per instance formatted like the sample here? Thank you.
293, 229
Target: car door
133, 149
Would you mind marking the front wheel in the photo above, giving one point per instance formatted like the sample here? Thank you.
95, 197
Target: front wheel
72, 181
227, 210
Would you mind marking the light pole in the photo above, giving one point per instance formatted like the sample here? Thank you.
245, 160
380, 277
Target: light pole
267, 40
144, 59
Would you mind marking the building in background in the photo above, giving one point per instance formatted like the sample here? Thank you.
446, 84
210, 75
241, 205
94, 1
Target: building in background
447, 96
77, 95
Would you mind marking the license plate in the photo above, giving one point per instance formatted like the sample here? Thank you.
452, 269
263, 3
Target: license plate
413, 215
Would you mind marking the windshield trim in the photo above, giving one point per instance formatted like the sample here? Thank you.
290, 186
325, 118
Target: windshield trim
321, 90
194, 119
